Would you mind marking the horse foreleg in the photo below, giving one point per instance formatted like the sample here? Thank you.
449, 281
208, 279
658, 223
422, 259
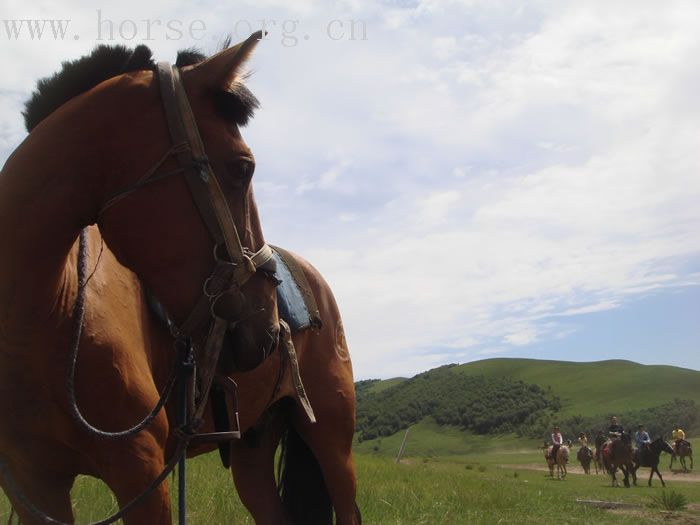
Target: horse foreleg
253, 470
626, 471
129, 468
48, 493
655, 468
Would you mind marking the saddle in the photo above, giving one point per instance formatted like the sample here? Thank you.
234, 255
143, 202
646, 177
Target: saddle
296, 303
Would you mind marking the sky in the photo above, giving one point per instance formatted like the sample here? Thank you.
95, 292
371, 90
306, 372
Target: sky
474, 178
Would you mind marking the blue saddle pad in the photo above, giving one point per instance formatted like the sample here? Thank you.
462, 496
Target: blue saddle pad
290, 301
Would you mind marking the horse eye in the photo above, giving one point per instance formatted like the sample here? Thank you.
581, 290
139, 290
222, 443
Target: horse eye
241, 170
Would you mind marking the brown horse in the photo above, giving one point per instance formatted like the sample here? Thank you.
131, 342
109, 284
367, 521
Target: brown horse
648, 456
617, 453
96, 129
681, 451
585, 456
560, 461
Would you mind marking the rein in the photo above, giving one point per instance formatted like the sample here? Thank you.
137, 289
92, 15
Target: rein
196, 363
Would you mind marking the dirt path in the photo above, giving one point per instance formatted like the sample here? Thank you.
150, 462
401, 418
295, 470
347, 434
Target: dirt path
642, 473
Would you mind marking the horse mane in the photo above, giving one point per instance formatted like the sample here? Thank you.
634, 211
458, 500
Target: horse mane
104, 62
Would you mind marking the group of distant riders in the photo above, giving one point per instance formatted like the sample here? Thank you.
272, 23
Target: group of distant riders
615, 431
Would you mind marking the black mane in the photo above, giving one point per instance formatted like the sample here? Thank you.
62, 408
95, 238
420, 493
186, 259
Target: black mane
81, 75
104, 62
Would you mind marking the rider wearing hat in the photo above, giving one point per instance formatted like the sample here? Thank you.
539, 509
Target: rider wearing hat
557, 441
583, 440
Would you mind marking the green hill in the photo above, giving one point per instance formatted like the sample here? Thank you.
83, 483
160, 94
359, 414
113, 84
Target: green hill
589, 388
524, 397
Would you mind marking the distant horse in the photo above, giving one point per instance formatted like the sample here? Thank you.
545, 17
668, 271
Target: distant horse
101, 151
598, 453
649, 457
681, 451
585, 456
560, 461
617, 453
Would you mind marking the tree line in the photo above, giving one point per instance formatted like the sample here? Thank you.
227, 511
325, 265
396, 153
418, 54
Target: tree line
658, 421
496, 405
483, 405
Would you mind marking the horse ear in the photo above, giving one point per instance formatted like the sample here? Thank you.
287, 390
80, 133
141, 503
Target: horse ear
222, 70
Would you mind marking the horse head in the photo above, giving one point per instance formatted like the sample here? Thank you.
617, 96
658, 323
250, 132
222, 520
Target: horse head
154, 182
664, 446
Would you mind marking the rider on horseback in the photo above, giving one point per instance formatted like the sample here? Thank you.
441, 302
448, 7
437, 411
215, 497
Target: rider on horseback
582, 440
641, 438
615, 430
678, 437
557, 441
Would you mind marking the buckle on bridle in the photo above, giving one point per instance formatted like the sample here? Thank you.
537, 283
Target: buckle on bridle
202, 163
216, 283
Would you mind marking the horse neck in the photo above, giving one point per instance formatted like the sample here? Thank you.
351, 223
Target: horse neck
45, 199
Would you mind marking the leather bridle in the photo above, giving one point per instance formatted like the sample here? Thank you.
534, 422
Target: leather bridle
239, 264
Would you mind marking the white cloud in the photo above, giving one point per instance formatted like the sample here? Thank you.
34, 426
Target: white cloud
445, 47
523, 336
490, 169
434, 209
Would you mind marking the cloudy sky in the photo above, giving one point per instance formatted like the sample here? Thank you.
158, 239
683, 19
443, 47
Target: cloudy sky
475, 178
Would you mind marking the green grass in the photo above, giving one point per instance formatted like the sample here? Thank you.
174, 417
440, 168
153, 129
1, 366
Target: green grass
473, 488
669, 500
428, 439
427, 492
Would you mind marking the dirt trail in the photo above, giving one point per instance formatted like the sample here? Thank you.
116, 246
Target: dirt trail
642, 473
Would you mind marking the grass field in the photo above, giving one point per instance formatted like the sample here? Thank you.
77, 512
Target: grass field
486, 487
449, 476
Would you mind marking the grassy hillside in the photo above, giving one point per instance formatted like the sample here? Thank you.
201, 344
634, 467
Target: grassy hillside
600, 387
585, 389
591, 388
427, 439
